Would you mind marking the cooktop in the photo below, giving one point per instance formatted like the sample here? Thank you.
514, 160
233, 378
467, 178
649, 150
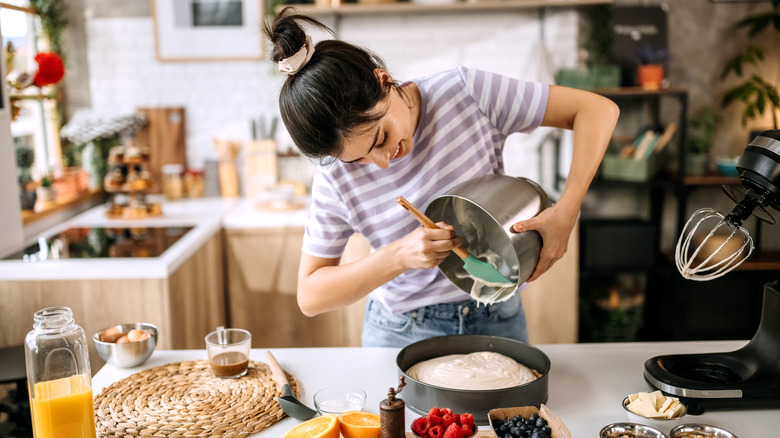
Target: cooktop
102, 242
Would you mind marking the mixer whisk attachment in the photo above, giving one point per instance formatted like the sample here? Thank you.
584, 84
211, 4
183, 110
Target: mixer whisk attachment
711, 246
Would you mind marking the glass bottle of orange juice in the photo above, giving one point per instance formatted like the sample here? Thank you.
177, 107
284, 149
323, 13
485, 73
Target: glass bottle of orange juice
58, 376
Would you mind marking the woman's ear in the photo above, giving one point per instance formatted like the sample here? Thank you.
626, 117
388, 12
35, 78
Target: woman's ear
383, 76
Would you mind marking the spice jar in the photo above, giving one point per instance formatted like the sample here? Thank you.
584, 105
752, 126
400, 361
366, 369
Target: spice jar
194, 183
173, 182
58, 376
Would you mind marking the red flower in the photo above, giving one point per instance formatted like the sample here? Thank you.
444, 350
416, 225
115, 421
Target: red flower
50, 69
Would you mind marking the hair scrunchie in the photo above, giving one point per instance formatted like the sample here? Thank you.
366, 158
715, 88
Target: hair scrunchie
295, 63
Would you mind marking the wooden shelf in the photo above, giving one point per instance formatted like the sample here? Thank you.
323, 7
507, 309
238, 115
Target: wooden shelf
711, 180
630, 92
43, 209
455, 6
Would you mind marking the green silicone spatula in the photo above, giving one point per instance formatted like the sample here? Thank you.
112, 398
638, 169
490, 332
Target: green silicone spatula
474, 266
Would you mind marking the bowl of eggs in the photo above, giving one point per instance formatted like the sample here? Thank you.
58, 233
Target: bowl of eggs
126, 345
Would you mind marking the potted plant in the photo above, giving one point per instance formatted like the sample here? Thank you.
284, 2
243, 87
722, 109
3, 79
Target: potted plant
756, 93
25, 157
700, 138
651, 70
46, 191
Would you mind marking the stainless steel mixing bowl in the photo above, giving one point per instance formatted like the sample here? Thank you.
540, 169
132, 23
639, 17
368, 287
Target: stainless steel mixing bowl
128, 355
482, 210
638, 430
421, 397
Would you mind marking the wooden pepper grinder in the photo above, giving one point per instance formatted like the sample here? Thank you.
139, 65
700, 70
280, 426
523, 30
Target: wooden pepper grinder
392, 423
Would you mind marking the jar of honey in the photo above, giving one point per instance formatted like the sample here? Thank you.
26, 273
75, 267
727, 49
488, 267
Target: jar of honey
58, 376
173, 181
194, 183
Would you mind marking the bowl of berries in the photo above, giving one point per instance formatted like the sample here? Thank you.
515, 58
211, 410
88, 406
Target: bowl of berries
443, 423
526, 421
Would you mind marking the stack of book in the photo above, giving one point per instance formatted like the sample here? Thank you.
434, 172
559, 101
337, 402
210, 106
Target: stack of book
635, 161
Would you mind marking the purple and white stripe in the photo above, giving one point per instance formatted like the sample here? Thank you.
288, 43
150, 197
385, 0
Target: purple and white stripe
466, 116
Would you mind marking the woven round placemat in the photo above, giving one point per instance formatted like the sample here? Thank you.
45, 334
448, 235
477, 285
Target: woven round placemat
184, 399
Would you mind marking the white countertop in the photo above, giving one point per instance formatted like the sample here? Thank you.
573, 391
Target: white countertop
203, 214
266, 213
587, 381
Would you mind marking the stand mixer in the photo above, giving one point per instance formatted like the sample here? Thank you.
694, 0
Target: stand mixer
711, 245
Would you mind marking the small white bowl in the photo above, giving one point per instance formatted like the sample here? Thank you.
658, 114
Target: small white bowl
339, 399
664, 424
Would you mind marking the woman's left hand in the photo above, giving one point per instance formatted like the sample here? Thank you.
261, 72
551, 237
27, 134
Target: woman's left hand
555, 228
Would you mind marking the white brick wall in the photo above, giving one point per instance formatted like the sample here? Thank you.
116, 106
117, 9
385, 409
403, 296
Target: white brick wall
221, 97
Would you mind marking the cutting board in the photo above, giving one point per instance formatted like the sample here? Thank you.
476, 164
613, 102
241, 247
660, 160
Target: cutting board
165, 136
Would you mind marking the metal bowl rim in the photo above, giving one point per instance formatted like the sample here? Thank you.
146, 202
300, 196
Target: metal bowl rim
96, 336
626, 424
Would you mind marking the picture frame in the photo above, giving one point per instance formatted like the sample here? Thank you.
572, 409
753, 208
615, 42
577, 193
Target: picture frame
208, 30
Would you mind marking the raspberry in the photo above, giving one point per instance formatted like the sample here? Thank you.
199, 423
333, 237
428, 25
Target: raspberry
434, 419
420, 426
467, 418
467, 430
453, 431
446, 420
435, 431
457, 418
435, 411
446, 411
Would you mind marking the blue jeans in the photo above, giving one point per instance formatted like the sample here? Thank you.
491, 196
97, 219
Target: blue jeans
383, 329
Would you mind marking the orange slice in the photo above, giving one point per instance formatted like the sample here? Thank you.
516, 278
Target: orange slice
359, 424
326, 426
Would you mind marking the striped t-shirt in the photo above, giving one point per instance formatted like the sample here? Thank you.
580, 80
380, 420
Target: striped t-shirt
465, 117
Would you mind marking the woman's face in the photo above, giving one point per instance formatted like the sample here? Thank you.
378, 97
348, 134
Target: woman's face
388, 139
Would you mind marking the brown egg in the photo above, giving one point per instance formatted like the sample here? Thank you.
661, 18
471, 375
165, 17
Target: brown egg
122, 340
110, 334
136, 335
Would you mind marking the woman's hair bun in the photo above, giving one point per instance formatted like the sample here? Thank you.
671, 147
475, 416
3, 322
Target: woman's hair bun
286, 34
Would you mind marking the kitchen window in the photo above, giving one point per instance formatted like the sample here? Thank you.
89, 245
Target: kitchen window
33, 97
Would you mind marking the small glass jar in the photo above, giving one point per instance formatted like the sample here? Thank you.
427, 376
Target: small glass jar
194, 183
173, 181
58, 376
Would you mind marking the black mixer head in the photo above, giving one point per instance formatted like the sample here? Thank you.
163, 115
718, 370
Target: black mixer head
759, 172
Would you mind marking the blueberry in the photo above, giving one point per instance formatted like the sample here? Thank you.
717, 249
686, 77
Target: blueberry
536, 434
546, 429
540, 422
533, 417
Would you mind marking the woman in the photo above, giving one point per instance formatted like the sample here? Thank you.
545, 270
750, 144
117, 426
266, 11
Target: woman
378, 139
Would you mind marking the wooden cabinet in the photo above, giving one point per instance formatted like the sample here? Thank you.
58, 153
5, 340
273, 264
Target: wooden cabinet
262, 266
262, 272
185, 306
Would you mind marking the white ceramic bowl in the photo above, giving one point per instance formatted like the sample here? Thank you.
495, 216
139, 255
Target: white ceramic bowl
664, 424
338, 399
128, 355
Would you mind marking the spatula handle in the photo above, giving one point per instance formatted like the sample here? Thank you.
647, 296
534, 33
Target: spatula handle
428, 223
279, 376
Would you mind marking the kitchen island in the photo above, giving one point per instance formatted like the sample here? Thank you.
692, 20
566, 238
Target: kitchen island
586, 387
180, 290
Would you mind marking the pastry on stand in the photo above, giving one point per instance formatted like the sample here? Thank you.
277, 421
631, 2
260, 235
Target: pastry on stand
129, 181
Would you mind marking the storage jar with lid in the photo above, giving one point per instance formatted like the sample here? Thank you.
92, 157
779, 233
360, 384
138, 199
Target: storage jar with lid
58, 376
173, 181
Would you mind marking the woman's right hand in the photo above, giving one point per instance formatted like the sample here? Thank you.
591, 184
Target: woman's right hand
426, 248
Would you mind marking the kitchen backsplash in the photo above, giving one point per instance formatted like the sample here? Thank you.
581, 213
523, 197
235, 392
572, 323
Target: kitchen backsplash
221, 97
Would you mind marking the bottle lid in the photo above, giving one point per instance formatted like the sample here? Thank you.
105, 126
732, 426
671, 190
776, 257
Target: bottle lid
173, 168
